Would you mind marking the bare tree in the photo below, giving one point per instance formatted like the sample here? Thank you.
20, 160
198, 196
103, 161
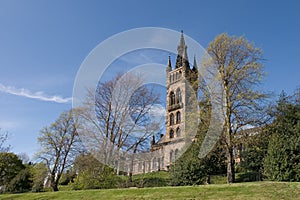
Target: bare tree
123, 124
60, 144
3, 139
239, 70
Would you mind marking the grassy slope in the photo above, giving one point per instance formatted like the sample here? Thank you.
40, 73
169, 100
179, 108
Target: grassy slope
253, 190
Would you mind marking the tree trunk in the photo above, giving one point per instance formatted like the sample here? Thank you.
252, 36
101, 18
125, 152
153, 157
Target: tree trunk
230, 166
207, 181
54, 184
55, 187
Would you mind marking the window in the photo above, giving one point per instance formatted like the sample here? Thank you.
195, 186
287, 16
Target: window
171, 119
154, 164
178, 132
171, 133
149, 166
178, 96
171, 156
178, 117
172, 98
176, 153
140, 167
162, 162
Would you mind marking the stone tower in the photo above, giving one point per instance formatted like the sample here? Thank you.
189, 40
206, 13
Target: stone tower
179, 79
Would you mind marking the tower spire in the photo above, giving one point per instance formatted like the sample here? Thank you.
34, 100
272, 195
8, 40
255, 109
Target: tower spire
169, 67
195, 68
185, 60
181, 45
169, 62
182, 52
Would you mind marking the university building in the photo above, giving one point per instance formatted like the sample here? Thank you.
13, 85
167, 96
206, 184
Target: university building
180, 78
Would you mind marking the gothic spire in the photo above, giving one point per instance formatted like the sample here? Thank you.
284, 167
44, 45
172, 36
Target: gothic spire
185, 60
195, 68
181, 45
169, 67
182, 52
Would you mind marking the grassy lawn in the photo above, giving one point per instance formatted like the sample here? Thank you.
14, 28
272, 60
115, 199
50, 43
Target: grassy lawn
251, 190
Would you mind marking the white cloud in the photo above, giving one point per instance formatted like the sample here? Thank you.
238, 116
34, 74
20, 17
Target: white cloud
143, 56
7, 125
33, 95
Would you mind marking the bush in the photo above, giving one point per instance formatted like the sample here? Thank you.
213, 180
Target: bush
21, 182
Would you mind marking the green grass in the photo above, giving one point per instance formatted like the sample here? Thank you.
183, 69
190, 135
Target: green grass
251, 190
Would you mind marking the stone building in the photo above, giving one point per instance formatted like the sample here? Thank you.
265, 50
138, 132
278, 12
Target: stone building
180, 79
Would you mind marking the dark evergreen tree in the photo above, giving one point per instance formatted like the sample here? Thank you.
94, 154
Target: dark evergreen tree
10, 167
282, 162
189, 169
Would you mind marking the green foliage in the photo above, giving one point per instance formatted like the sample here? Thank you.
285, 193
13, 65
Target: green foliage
39, 173
189, 169
252, 158
91, 174
67, 177
153, 179
282, 162
21, 182
248, 177
236, 64
10, 167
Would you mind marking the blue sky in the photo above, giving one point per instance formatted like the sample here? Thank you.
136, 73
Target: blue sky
43, 43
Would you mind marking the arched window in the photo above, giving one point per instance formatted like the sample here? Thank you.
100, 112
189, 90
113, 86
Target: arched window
172, 119
178, 117
176, 153
172, 98
154, 164
140, 166
178, 132
171, 156
171, 133
178, 96
149, 166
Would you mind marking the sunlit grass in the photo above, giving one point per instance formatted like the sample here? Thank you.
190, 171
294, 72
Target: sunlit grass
251, 190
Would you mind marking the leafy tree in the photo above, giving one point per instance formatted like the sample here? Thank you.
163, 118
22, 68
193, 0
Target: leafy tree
67, 177
189, 169
253, 150
91, 174
60, 143
282, 162
22, 182
10, 167
236, 64
39, 173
